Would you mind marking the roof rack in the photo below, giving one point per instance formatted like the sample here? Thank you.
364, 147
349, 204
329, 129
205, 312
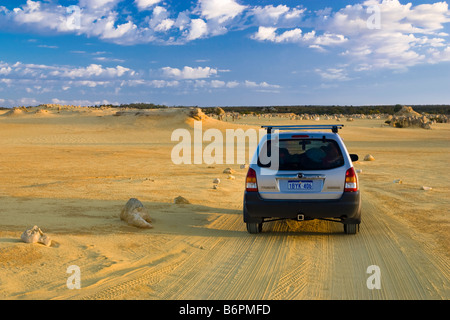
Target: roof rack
333, 127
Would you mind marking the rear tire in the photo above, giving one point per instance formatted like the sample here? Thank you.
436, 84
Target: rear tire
253, 227
351, 228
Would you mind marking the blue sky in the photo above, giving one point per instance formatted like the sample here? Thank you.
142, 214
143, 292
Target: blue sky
224, 52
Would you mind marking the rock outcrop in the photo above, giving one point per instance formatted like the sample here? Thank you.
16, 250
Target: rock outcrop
197, 114
35, 235
407, 117
181, 200
134, 213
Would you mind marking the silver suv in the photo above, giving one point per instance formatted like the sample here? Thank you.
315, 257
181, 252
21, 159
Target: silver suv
302, 175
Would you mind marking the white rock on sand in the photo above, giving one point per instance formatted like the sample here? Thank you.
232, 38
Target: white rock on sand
216, 181
228, 171
369, 157
134, 213
35, 235
426, 188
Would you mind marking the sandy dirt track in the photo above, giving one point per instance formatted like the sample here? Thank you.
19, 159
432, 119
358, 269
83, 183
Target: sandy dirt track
71, 172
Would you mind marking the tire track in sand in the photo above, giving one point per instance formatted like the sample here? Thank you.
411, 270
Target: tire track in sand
408, 271
307, 260
134, 279
240, 266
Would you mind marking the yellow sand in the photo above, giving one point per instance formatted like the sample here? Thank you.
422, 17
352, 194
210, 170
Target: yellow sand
71, 171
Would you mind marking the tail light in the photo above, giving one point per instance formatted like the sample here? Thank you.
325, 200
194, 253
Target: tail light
250, 181
351, 181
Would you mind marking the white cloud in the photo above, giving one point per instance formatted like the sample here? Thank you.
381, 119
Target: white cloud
107, 59
47, 46
232, 84
438, 56
93, 70
36, 79
98, 4
89, 83
163, 83
159, 20
83, 102
404, 38
220, 10
406, 34
252, 84
280, 16
189, 72
198, 29
110, 31
293, 35
155, 83
217, 83
34, 75
91, 17
265, 33
338, 74
27, 101
5, 69
145, 4
428, 16
328, 39
270, 13
219, 16
164, 25
297, 36
36, 13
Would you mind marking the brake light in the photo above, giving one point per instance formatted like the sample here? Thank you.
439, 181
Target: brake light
351, 181
300, 136
250, 181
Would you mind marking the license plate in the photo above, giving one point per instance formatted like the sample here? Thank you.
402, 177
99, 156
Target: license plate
300, 185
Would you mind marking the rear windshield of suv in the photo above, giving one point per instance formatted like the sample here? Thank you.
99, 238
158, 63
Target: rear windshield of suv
304, 154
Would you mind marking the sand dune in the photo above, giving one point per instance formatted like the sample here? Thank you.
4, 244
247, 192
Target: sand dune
72, 171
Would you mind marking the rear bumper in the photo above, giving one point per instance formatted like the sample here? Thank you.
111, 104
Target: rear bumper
347, 208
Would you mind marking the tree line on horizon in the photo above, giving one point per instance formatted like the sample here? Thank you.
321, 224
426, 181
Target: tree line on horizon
306, 109
334, 109
298, 109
